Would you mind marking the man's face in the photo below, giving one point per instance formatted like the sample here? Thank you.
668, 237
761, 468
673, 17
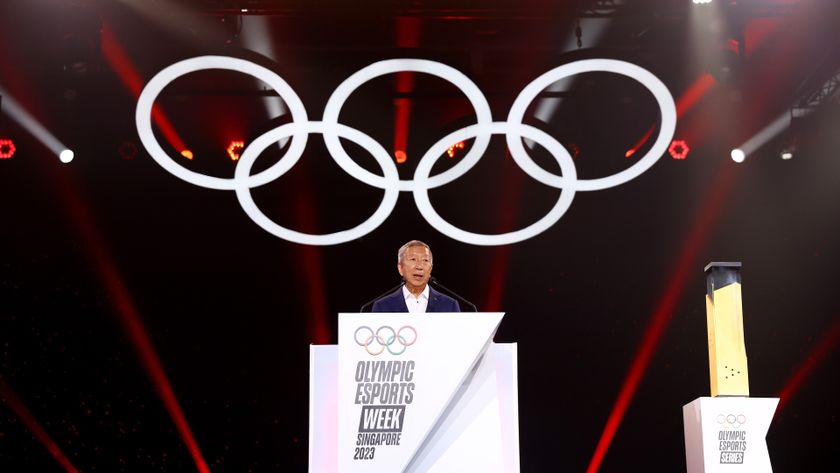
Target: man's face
416, 267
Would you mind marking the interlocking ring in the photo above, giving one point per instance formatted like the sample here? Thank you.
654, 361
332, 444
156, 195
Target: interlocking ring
731, 421
243, 191
300, 128
384, 342
456, 77
143, 119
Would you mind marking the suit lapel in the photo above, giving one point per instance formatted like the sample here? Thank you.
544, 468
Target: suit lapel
433, 299
400, 300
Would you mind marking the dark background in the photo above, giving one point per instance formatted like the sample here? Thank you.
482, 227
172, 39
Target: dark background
103, 254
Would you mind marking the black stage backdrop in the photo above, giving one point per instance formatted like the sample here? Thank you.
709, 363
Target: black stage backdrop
119, 281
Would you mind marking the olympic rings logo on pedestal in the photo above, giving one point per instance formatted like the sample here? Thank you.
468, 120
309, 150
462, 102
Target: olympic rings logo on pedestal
731, 421
301, 127
380, 342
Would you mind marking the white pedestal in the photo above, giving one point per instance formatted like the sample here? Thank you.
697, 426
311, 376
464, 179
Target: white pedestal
727, 434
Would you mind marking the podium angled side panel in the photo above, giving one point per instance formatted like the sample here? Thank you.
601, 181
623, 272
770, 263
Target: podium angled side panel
480, 429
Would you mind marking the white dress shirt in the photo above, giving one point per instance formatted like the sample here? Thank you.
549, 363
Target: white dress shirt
416, 305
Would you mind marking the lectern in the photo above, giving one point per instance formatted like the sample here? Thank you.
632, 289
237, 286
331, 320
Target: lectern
414, 393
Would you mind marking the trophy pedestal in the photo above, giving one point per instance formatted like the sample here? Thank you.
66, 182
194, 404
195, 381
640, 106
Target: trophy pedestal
727, 434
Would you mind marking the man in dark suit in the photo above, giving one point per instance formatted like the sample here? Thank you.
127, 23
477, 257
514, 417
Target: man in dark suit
414, 262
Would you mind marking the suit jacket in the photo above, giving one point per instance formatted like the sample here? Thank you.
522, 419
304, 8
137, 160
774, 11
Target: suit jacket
395, 302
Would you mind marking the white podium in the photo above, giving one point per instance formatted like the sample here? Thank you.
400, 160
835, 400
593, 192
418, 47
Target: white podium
727, 434
414, 393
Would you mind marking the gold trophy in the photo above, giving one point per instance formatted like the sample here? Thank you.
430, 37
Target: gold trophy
725, 323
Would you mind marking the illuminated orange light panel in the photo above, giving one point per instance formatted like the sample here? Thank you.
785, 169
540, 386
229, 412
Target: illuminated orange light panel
454, 149
234, 148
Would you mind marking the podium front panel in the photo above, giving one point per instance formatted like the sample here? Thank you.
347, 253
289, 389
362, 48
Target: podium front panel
429, 393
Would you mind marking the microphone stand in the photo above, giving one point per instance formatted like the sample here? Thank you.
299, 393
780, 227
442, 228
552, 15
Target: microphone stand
452, 293
369, 304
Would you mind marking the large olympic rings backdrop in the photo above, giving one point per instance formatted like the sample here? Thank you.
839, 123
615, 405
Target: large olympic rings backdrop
301, 127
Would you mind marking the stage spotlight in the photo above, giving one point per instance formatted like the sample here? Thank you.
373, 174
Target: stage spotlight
738, 155
792, 141
187, 154
22, 117
234, 148
701, 2
7, 149
453, 150
574, 150
127, 150
679, 149
66, 156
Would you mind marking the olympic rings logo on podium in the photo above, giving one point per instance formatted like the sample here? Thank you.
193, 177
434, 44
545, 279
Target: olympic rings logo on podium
301, 127
731, 421
380, 342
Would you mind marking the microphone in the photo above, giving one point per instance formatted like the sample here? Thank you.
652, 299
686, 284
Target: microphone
369, 304
452, 293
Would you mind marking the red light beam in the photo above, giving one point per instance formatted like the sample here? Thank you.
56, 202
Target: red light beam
309, 260
407, 35
21, 411
696, 91
825, 346
510, 196
132, 323
118, 58
687, 101
704, 221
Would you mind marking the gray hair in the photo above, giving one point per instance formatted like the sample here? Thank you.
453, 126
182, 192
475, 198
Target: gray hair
404, 248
